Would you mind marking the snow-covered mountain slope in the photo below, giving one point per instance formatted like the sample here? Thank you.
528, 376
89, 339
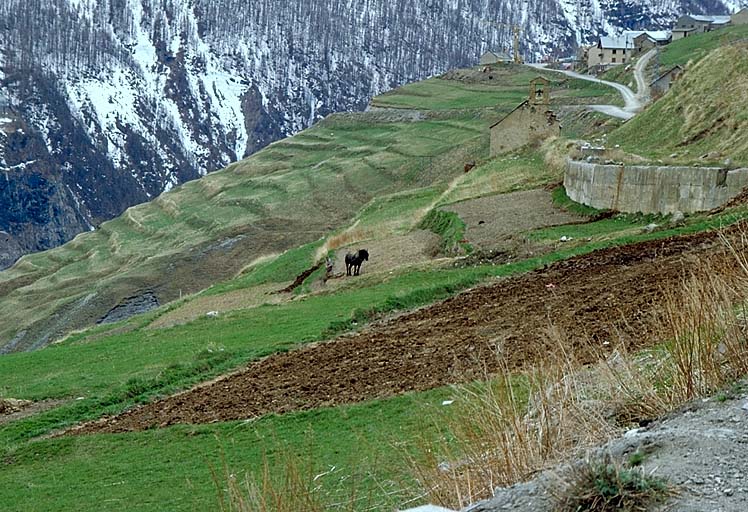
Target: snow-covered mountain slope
106, 103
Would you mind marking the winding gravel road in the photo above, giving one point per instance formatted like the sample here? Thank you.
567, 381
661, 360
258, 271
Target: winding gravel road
642, 84
633, 102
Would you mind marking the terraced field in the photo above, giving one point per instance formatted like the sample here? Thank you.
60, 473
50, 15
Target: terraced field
608, 295
236, 371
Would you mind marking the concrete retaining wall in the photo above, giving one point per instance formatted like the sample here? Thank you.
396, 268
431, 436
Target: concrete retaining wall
652, 189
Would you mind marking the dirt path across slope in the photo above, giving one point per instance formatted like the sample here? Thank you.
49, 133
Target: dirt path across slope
14, 410
589, 297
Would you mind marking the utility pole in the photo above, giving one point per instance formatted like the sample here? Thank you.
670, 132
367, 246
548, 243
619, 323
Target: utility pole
517, 58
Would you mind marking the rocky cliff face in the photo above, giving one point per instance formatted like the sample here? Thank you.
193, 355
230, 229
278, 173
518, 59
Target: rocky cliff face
107, 103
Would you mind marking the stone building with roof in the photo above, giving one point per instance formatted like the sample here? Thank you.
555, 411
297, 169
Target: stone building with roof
661, 84
740, 17
690, 24
491, 57
532, 121
612, 51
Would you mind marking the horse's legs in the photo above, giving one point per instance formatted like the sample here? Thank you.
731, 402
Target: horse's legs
347, 269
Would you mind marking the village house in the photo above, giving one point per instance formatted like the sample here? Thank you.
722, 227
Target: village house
662, 83
530, 122
648, 40
611, 51
740, 17
690, 24
490, 58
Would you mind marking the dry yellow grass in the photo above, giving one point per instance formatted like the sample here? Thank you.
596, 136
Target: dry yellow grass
704, 113
516, 425
353, 235
507, 430
297, 488
258, 261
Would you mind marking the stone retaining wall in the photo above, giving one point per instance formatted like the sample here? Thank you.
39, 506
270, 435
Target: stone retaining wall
652, 189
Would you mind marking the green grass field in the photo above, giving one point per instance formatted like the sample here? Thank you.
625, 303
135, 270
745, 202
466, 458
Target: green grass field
701, 119
170, 469
326, 184
621, 75
510, 90
695, 47
348, 173
112, 370
439, 94
290, 194
522, 170
145, 469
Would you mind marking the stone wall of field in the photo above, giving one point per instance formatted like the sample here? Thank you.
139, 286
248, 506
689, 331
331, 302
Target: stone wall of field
652, 189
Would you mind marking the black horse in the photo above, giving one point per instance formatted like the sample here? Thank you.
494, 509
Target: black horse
353, 261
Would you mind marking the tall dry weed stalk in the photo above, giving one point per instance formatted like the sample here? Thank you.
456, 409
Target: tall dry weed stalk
507, 429
708, 347
290, 483
292, 489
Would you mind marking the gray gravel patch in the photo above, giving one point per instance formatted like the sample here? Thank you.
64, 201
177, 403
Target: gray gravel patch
700, 450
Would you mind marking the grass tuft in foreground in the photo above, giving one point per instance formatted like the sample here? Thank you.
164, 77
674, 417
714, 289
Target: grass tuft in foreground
605, 486
504, 431
298, 486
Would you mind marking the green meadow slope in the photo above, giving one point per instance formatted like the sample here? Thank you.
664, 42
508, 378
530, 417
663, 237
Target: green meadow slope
237, 234
696, 47
703, 117
240, 236
294, 192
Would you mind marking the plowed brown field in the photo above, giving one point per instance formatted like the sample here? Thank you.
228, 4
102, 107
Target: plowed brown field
614, 294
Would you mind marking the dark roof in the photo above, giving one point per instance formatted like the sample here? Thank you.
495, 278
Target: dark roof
510, 113
498, 55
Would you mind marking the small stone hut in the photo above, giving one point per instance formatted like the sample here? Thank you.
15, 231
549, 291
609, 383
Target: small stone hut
690, 24
532, 121
662, 83
489, 58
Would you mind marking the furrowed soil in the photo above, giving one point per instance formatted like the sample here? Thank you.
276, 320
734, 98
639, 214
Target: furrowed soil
493, 222
597, 300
